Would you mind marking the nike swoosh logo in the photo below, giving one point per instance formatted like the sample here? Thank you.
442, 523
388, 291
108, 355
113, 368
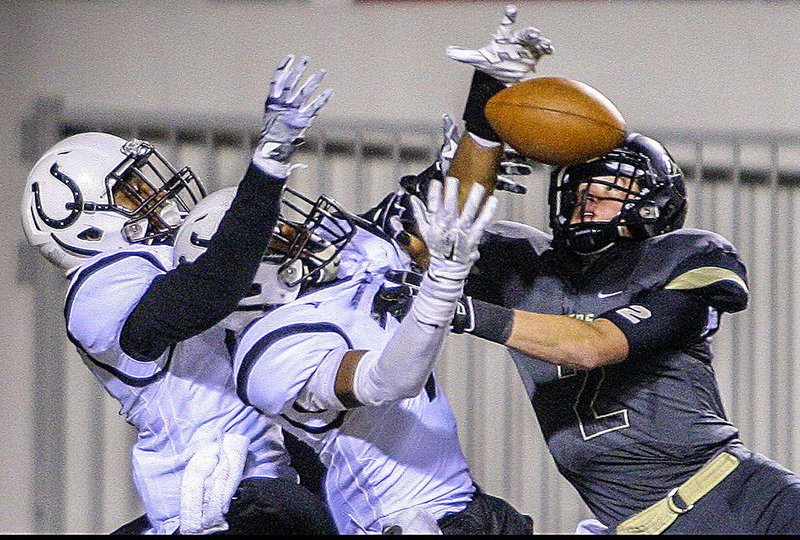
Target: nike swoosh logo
606, 295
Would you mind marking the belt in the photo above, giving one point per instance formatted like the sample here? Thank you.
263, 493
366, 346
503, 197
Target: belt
656, 518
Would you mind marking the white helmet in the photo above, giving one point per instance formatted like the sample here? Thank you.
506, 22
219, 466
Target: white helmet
268, 288
93, 192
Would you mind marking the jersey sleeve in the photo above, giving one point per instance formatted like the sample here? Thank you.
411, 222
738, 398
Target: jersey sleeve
100, 299
507, 249
715, 273
662, 319
687, 279
192, 298
274, 361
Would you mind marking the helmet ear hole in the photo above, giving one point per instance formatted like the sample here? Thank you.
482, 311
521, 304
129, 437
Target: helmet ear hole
289, 274
92, 234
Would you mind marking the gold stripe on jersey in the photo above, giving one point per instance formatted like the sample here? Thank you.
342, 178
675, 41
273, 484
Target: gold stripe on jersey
704, 276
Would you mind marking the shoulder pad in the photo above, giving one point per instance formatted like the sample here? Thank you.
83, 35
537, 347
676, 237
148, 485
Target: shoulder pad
700, 262
159, 256
104, 292
512, 232
285, 351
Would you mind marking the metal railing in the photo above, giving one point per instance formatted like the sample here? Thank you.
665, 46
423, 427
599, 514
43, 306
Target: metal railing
741, 185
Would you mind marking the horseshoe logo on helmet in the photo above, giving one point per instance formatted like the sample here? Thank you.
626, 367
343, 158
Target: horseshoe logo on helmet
75, 207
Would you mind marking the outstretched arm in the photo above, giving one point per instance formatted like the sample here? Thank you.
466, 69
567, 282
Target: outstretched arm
193, 297
475, 163
400, 370
404, 365
660, 319
510, 57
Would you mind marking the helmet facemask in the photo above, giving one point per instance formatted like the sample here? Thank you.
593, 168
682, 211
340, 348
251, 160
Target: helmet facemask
584, 199
152, 193
649, 195
312, 232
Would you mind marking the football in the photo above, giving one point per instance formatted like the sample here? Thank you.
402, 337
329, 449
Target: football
555, 120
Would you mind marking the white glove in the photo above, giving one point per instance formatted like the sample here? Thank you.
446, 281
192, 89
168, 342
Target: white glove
450, 140
511, 55
395, 206
401, 369
288, 111
452, 239
209, 482
412, 521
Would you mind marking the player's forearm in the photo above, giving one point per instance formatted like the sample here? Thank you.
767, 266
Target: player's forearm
192, 298
402, 368
475, 164
557, 339
241, 239
566, 341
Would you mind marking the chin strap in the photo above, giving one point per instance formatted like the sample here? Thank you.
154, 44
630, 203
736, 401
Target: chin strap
591, 237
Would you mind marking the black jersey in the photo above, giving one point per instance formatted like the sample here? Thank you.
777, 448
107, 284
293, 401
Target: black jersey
660, 409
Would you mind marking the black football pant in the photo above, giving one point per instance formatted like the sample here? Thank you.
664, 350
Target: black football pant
487, 515
266, 506
759, 497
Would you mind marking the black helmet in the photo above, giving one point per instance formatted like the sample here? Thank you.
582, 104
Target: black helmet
659, 205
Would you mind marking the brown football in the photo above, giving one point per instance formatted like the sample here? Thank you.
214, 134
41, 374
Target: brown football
556, 120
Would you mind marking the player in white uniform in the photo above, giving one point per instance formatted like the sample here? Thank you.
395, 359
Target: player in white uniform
358, 385
106, 210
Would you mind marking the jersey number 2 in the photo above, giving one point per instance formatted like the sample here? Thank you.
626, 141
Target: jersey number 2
588, 405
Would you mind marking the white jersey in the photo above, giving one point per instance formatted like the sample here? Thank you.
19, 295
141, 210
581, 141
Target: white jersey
181, 401
381, 459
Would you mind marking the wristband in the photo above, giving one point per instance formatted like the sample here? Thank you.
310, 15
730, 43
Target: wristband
492, 322
481, 90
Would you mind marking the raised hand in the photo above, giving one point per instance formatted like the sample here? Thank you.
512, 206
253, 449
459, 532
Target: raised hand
289, 110
511, 55
451, 237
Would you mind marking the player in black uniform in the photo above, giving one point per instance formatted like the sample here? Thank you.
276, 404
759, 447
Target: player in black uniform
609, 321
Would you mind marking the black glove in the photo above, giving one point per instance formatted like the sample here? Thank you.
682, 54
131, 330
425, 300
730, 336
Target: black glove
396, 294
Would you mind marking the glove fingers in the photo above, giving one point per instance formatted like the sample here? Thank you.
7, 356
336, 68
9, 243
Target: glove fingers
304, 93
313, 108
450, 140
278, 80
484, 218
507, 184
471, 206
450, 133
292, 78
434, 196
515, 168
469, 56
509, 16
449, 211
449, 128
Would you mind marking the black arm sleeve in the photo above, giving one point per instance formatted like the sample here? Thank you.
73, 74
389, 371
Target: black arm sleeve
663, 319
194, 297
481, 90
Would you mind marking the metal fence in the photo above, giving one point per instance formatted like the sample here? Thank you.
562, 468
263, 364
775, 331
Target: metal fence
741, 185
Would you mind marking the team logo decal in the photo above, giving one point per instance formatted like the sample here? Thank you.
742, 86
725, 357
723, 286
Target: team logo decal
75, 207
